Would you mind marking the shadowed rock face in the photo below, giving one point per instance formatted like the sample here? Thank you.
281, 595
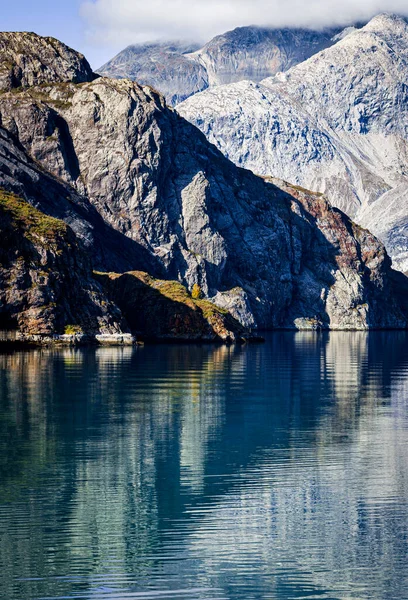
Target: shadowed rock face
158, 309
47, 289
273, 254
179, 71
27, 59
46, 282
107, 248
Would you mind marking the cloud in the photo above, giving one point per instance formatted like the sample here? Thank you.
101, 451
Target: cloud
122, 22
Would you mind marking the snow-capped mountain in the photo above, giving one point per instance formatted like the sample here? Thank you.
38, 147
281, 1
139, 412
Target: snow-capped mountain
180, 70
336, 123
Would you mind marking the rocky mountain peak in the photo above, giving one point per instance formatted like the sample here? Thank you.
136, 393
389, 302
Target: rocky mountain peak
336, 123
243, 53
28, 59
384, 28
165, 65
387, 21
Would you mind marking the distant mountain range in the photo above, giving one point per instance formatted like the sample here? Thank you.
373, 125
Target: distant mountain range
179, 70
336, 123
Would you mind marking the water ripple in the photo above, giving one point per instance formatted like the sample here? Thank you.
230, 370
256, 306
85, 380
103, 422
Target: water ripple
197, 472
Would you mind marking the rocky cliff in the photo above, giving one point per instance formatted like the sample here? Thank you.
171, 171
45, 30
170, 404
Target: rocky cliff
180, 70
257, 52
336, 123
49, 293
46, 282
27, 178
135, 178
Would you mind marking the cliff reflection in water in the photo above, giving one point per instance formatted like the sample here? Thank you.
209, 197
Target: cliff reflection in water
273, 471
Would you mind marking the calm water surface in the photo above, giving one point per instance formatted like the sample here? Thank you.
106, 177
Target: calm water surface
197, 472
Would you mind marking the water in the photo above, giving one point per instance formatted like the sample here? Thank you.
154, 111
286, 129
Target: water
197, 472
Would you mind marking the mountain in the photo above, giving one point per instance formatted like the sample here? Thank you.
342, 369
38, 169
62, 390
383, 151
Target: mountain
27, 59
179, 70
143, 190
336, 123
257, 52
166, 66
48, 290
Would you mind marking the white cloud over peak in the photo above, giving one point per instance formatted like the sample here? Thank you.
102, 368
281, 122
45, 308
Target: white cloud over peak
122, 22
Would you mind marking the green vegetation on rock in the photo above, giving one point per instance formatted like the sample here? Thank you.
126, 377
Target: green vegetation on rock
46, 283
158, 308
35, 224
73, 330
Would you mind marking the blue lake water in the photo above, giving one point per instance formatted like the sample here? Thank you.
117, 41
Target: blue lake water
275, 471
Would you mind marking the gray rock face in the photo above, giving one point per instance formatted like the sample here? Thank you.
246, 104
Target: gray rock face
27, 59
179, 71
256, 53
274, 254
165, 66
46, 282
109, 249
337, 123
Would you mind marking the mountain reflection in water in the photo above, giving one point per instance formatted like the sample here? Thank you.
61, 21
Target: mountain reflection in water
262, 472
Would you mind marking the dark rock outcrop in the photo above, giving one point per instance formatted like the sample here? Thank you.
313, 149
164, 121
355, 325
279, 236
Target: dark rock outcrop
160, 310
25, 177
27, 59
46, 282
48, 292
273, 254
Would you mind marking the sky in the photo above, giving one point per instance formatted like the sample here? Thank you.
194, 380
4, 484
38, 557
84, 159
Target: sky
101, 28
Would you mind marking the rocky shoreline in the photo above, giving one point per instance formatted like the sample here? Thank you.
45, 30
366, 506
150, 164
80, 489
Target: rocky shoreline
24, 341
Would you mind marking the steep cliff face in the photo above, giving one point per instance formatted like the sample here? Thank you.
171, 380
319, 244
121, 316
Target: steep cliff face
46, 282
21, 175
273, 254
178, 70
28, 59
342, 272
47, 289
336, 123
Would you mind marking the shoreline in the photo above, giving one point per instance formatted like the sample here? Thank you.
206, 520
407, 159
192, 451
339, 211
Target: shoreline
26, 341
18, 341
